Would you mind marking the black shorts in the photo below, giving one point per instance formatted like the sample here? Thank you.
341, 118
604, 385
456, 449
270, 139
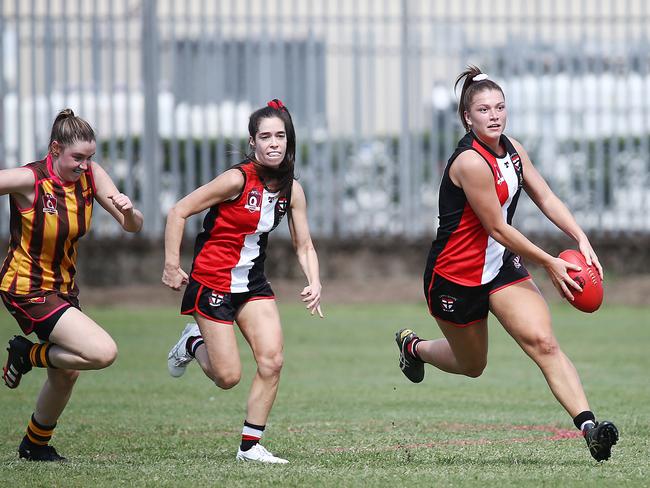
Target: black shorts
465, 305
38, 312
219, 306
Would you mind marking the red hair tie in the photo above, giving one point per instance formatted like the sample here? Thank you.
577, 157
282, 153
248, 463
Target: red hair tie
277, 105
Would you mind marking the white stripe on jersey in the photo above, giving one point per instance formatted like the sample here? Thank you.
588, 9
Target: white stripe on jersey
494, 250
251, 247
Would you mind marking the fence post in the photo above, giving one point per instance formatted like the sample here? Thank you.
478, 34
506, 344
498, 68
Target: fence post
151, 150
405, 190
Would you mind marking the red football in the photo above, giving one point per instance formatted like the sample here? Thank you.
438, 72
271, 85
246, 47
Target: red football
591, 297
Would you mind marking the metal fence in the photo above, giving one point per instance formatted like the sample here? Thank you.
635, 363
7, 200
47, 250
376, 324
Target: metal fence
169, 85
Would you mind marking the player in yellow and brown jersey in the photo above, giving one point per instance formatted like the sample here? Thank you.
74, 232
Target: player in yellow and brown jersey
51, 205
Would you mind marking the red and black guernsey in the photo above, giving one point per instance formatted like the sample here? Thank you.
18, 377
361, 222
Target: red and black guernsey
229, 253
463, 252
43, 244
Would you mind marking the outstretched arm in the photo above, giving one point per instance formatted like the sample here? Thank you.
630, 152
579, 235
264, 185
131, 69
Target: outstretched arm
220, 189
556, 211
115, 203
301, 238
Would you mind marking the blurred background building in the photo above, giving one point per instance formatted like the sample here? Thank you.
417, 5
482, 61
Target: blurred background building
168, 86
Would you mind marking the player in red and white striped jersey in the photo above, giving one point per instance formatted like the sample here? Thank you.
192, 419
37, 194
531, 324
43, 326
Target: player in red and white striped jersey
474, 265
227, 282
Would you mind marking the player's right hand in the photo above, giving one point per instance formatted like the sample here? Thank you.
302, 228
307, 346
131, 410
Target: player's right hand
174, 277
558, 270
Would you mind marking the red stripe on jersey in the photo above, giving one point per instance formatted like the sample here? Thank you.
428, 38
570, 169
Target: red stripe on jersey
500, 182
464, 255
233, 222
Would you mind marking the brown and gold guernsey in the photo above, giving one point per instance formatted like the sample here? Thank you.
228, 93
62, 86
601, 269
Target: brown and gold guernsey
43, 245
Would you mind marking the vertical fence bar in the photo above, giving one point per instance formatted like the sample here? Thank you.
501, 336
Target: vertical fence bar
129, 183
174, 153
404, 146
80, 47
3, 94
19, 108
34, 80
111, 75
151, 139
50, 44
204, 104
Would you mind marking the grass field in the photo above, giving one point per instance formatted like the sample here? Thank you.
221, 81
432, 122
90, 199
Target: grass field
345, 415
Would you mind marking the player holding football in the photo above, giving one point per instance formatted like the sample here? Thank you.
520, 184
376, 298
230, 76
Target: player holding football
51, 207
474, 264
227, 282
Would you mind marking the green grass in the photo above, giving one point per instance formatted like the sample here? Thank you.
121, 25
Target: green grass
345, 415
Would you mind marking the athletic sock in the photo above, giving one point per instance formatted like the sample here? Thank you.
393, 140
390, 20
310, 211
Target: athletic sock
192, 344
412, 349
250, 435
38, 434
39, 355
584, 420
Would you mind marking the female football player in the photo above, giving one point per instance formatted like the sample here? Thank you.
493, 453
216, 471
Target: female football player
51, 207
474, 264
227, 282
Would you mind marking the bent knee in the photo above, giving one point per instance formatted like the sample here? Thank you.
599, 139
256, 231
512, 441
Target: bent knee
270, 366
226, 382
101, 356
545, 345
474, 370
226, 379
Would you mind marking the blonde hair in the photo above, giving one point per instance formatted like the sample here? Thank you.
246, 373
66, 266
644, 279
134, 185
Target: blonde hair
68, 129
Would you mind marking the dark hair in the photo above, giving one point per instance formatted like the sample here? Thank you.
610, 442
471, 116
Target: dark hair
68, 129
470, 89
284, 174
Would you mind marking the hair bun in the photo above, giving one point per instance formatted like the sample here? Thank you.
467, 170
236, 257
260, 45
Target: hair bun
277, 105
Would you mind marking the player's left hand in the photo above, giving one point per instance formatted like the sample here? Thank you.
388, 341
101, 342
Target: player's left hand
590, 256
122, 203
311, 296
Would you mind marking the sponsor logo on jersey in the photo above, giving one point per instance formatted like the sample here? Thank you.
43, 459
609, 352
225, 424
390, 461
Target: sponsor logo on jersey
516, 262
37, 300
49, 204
216, 299
447, 303
254, 201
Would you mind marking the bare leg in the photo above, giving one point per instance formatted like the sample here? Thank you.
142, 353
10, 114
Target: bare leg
219, 355
529, 323
462, 351
80, 344
259, 321
54, 395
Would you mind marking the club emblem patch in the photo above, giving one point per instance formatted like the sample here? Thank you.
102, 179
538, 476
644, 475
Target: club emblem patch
216, 299
40, 300
253, 201
49, 204
447, 303
282, 205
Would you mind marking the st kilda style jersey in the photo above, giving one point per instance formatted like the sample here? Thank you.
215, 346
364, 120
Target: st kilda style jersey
229, 253
463, 252
43, 243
